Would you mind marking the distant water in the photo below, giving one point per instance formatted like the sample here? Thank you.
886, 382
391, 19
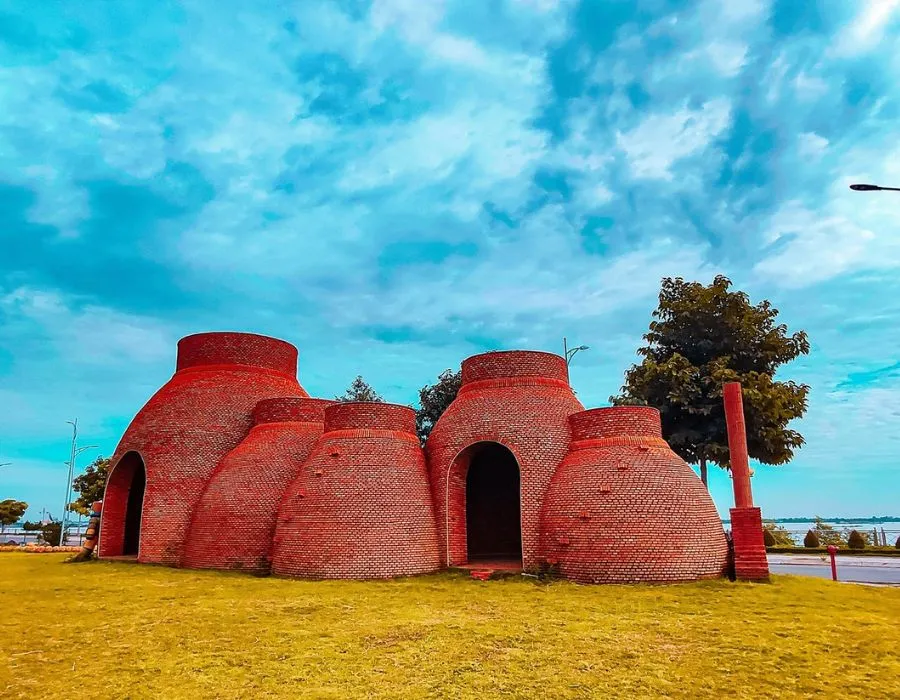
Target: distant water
799, 529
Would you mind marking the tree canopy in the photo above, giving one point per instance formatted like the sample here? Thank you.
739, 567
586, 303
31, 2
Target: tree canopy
703, 336
90, 485
434, 400
10, 512
359, 390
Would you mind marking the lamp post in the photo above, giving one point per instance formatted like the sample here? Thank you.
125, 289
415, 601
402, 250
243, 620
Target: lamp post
873, 188
569, 353
70, 476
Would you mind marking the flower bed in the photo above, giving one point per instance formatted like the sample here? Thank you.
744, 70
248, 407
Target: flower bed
38, 549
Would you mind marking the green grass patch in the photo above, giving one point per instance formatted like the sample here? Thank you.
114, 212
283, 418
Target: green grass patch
116, 630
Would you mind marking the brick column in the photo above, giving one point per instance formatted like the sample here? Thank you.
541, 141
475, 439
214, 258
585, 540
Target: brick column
750, 563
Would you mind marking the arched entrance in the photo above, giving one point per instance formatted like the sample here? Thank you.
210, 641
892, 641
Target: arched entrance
493, 505
123, 501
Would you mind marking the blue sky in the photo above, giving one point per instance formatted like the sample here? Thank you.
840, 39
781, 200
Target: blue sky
395, 185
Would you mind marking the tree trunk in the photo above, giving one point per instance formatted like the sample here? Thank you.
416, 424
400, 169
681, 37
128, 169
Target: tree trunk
703, 472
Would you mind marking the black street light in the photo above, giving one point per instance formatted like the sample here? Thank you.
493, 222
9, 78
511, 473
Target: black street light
569, 353
872, 188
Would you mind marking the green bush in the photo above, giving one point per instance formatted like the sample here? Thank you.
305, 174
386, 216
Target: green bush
856, 540
898, 543
768, 537
50, 533
811, 541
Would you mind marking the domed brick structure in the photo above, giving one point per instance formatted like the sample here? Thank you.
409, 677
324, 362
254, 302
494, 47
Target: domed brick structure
361, 506
234, 522
623, 507
174, 443
493, 452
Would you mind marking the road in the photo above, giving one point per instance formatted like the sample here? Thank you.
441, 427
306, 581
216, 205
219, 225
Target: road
879, 570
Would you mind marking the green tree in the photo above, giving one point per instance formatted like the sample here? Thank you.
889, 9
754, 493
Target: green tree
90, 485
857, 539
359, 390
702, 337
10, 512
434, 400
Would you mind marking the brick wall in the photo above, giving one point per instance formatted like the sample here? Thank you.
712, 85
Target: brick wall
750, 561
520, 400
261, 352
187, 427
361, 505
234, 522
623, 507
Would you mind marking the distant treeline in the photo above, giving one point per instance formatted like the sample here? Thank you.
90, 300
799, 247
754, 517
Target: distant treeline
836, 521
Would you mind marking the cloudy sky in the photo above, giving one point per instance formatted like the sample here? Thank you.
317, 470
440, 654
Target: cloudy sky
395, 185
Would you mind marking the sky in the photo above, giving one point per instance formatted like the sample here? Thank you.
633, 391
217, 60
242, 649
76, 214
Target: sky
396, 185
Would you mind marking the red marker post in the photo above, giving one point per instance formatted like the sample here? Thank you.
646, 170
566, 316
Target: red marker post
832, 550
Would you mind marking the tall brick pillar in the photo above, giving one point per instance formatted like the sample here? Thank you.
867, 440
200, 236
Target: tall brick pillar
750, 563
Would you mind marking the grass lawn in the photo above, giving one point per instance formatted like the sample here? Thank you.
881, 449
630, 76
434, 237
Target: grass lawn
115, 630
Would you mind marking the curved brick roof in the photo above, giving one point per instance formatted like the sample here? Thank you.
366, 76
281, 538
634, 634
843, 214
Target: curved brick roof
234, 522
188, 426
361, 506
520, 399
623, 507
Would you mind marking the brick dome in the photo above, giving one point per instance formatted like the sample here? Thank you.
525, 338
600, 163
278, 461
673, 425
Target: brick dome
361, 506
623, 507
174, 443
234, 522
505, 433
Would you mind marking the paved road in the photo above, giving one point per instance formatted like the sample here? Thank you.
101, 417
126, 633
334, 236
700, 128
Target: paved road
881, 570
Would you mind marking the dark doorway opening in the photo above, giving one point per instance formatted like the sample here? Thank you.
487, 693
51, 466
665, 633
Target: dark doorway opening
133, 510
493, 520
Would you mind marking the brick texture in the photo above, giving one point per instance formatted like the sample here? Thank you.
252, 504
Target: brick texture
185, 430
361, 506
623, 507
245, 471
750, 561
234, 522
521, 400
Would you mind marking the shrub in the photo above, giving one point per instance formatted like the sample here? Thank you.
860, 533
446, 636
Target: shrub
811, 541
898, 543
780, 537
50, 533
856, 540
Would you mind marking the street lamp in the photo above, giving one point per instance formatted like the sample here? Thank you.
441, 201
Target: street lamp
71, 475
569, 353
873, 188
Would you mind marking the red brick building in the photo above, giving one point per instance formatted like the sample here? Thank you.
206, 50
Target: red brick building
230, 465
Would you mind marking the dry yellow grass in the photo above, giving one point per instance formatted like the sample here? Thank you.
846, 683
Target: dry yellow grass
113, 630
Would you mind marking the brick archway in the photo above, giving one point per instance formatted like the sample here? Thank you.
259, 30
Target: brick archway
484, 504
123, 501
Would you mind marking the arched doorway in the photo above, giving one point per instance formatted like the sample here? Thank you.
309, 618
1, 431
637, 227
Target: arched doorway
123, 501
132, 537
493, 505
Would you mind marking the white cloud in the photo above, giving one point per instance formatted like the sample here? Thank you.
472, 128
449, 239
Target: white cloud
813, 248
868, 28
811, 145
661, 140
538, 272
89, 334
